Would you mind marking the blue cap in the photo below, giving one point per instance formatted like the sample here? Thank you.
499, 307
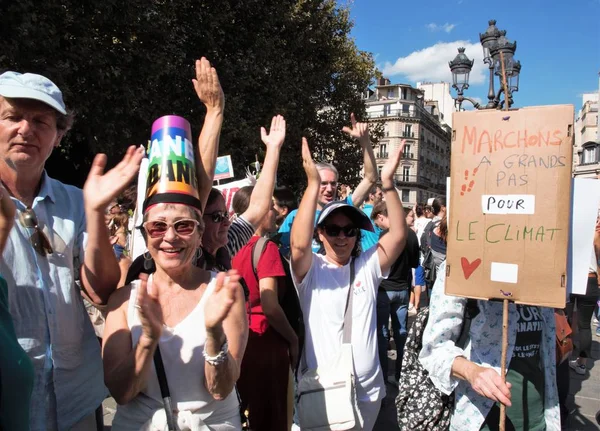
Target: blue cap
31, 86
358, 218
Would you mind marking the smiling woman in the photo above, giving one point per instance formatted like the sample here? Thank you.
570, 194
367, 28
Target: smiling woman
327, 285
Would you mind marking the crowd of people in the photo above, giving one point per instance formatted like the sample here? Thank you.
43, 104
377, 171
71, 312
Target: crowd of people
217, 325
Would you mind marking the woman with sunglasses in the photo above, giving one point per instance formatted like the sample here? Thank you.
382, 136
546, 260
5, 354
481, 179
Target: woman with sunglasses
195, 318
220, 232
322, 281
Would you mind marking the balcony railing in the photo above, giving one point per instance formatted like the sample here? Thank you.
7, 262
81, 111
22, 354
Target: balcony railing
408, 134
392, 113
408, 155
381, 155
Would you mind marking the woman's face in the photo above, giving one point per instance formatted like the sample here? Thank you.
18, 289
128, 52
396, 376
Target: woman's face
172, 235
216, 220
338, 235
410, 218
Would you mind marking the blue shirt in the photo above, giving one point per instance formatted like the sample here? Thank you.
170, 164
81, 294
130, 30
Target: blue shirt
48, 313
368, 238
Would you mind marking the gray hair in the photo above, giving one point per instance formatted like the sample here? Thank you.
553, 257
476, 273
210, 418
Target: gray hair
323, 166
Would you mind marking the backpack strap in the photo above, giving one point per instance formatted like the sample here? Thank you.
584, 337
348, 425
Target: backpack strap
257, 250
471, 310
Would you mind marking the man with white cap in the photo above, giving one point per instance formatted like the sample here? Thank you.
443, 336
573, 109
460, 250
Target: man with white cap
60, 230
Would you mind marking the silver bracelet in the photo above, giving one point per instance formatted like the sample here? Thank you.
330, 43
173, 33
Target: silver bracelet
220, 357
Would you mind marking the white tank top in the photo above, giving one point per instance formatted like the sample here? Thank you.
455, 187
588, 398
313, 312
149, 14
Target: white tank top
181, 349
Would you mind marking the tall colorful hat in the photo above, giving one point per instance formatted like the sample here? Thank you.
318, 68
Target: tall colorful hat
171, 171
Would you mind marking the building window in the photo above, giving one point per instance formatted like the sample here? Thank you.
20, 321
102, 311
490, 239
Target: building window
383, 154
590, 154
406, 173
407, 130
405, 195
379, 168
390, 94
406, 153
387, 109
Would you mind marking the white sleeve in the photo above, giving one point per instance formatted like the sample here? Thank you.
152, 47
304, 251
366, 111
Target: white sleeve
446, 315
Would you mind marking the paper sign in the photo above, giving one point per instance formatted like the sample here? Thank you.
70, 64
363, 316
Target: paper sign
508, 204
504, 272
230, 189
586, 198
223, 168
509, 218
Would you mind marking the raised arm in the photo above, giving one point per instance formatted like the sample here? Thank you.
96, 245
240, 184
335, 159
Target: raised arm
360, 131
262, 196
210, 93
391, 245
304, 223
100, 272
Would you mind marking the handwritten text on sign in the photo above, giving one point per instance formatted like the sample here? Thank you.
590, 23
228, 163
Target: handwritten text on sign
508, 204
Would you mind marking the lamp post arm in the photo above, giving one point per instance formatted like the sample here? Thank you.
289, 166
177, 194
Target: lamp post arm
462, 98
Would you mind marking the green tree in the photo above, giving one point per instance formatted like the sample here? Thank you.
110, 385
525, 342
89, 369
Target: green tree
123, 64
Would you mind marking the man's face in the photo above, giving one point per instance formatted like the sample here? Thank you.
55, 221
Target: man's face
328, 190
378, 195
28, 132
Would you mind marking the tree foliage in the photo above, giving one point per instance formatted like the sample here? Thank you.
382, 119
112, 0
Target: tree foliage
122, 64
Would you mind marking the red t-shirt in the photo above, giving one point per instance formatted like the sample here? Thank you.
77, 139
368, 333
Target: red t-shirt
269, 265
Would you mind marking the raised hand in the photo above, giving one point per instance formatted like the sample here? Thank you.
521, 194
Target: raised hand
150, 310
488, 383
309, 165
207, 85
219, 303
276, 134
101, 188
389, 169
358, 131
7, 216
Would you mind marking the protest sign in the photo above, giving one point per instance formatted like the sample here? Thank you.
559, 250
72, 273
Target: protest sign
511, 186
230, 189
223, 168
584, 213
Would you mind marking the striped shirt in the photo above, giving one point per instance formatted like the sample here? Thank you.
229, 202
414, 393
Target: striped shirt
238, 235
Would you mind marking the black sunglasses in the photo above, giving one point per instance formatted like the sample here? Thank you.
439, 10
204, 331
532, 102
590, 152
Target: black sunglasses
218, 216
334, 230
38, 238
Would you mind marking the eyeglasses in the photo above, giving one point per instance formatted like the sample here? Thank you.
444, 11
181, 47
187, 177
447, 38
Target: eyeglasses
183, 227
334, 230
218, 216
38, 239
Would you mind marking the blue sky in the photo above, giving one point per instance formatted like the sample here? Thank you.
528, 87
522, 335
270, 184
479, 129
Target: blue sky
558, 43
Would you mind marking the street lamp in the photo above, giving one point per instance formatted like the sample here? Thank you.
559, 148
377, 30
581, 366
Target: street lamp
497, 49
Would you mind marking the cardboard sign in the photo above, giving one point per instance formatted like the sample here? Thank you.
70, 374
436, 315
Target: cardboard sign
584, 213
509, 220
223, 168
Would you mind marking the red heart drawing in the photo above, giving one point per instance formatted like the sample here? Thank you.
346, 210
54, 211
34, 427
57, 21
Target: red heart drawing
357, 283
469, 268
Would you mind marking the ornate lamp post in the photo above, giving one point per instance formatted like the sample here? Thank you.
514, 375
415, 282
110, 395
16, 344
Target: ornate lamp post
496, 49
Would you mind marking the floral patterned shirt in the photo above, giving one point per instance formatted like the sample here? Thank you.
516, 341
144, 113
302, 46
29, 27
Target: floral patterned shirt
484, 348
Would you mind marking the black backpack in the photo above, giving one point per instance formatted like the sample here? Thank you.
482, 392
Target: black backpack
431, 258
290, 303
420, 405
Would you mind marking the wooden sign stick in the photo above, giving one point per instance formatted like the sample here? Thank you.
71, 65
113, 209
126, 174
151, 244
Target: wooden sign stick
505, 302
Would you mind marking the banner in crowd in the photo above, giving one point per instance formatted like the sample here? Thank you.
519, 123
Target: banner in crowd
230, 189
511, 189
584, 213
223, 168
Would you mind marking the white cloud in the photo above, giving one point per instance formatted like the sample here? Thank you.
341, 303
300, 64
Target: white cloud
431, 63
433, 27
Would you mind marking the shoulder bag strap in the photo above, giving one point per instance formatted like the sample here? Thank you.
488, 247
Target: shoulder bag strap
257, 250
164, 388
347, 332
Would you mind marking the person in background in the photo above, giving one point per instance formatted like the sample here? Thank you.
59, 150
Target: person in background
16, 369
284, 202
329, 187
61, 236
585, 305
222, 238
419, 275
322, 281
394, 291
272, 343
375, 195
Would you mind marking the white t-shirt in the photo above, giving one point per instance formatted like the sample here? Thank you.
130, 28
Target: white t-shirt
420, 224
323, 294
